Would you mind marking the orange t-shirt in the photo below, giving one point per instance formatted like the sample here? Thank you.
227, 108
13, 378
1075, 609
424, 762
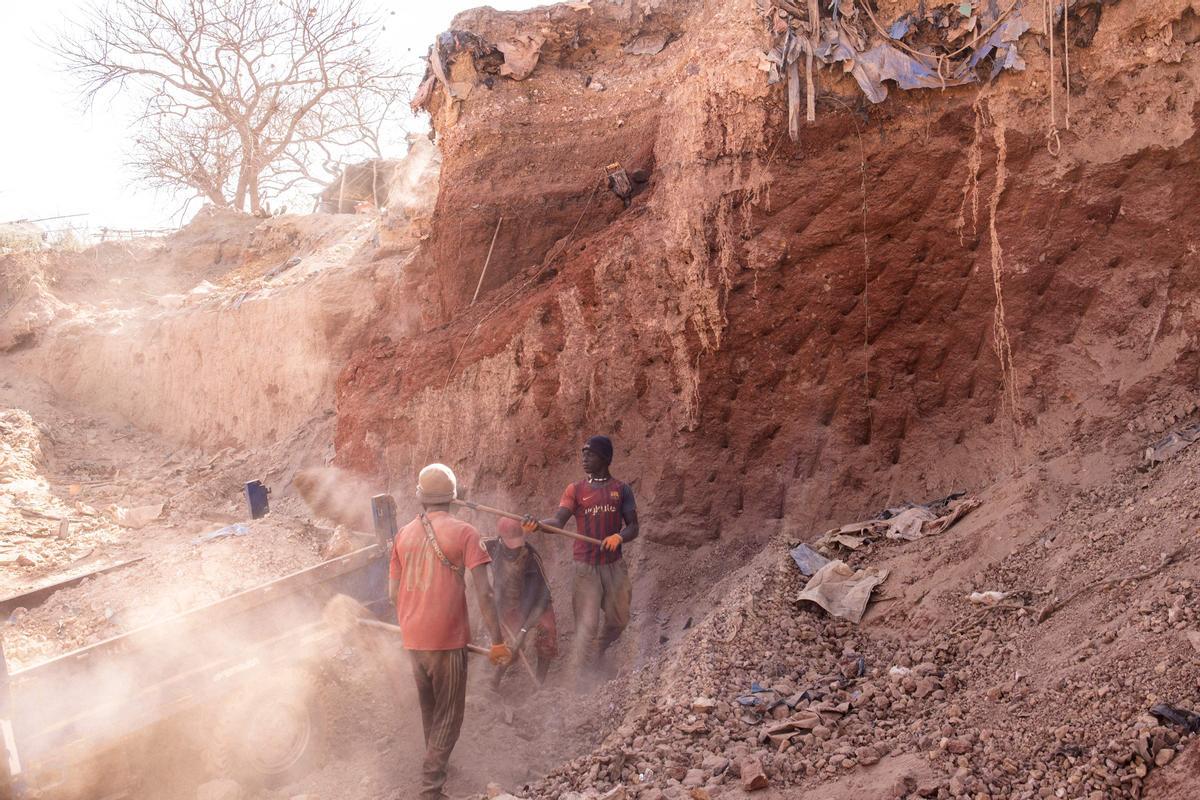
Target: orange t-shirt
431, 604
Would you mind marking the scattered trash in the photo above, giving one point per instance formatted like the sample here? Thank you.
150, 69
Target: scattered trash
238, 529
257, 499
986, 598
938, 506
931, 48
896, 673
843, 538
1171, 444
520, 55
138, 517
799, 723
808, 560
842, 591
618, 182
1189, 720
908, 522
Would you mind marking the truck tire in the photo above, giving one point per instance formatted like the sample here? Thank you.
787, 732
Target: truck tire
269, 734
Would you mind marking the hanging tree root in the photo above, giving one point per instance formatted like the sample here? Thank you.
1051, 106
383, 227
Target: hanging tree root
1001, 341
970, 190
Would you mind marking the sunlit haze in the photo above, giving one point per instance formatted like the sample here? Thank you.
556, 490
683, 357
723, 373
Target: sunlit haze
58, 157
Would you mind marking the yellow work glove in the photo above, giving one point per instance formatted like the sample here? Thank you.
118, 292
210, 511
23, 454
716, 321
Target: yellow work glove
500, 655
611, 543
529, 524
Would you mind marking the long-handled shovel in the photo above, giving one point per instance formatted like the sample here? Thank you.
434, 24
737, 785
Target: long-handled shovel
541, 525
344, 614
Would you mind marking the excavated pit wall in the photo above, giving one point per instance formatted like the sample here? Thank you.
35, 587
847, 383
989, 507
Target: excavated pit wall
756, 371
216, 377
228, 334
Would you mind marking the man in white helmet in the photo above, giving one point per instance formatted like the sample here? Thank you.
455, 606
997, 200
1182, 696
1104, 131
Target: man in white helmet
430, 557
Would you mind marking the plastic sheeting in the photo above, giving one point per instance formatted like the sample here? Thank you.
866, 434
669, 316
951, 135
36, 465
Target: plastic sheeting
846, 41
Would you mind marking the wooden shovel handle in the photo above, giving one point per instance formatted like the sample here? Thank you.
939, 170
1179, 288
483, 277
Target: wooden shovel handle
395, 629
541, 525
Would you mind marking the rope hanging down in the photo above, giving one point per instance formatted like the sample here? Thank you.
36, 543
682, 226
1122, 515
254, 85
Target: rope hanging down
1053, 141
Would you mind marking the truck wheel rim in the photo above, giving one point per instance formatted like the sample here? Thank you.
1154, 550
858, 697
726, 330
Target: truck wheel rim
279, 734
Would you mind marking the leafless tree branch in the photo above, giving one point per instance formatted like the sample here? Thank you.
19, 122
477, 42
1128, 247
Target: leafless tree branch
241, 99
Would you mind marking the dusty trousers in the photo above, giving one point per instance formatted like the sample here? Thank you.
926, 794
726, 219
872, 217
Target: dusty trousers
601, 605
441, 677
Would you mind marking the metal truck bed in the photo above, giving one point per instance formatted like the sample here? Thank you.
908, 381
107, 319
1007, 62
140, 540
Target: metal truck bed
73, 706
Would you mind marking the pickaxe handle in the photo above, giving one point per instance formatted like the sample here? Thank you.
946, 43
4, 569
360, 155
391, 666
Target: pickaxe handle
541, 525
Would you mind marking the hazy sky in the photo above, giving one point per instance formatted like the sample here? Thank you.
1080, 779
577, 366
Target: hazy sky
58, 158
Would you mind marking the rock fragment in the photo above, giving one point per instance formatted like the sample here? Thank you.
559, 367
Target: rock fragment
753, 777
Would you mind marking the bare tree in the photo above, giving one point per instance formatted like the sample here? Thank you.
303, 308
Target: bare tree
202, 153
243, 99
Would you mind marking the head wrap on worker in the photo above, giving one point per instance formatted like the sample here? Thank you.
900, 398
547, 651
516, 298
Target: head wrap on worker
436, 485
601, 446
511, 533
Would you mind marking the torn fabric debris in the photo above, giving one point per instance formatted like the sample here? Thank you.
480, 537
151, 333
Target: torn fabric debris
1172, 443
841, 591
520, 55
908, 522
919, 50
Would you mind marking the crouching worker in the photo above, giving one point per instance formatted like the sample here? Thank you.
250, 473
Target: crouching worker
522, 596
427, 583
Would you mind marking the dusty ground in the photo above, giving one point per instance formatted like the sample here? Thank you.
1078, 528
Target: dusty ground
85, 470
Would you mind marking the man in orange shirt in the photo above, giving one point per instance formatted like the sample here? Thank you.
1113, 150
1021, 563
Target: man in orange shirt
430, 557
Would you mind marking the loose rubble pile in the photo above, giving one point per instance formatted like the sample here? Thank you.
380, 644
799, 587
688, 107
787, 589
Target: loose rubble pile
80, 494
44, 531
1035, 692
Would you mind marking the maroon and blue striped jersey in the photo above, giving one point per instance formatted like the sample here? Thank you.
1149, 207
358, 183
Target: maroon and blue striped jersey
600, 510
